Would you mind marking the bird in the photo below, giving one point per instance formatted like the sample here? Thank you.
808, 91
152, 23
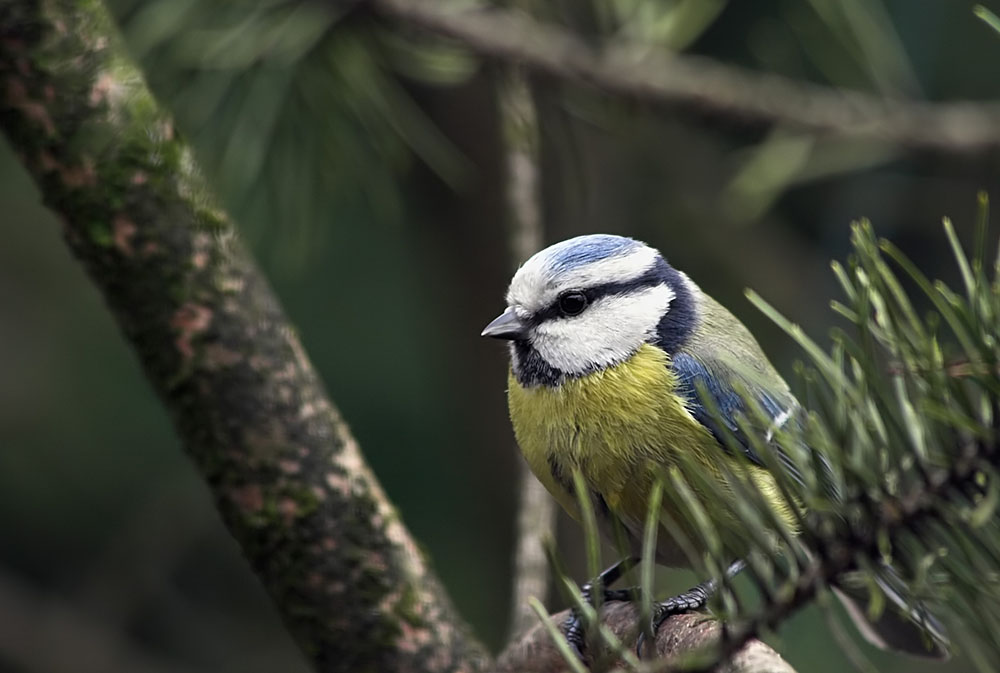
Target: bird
616, 360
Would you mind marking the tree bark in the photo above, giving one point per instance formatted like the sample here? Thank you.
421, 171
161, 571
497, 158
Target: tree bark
286, 475
679, 635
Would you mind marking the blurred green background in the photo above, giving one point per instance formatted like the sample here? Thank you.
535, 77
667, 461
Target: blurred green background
365, 169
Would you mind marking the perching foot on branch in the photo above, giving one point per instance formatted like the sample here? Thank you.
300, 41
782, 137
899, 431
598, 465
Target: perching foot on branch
693, 599
573, 627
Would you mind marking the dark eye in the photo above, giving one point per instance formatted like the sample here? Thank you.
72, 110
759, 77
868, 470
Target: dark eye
572, 303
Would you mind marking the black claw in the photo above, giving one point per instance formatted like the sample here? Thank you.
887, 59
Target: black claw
689, 601
639, 643
693, 599
573, 627
573, 630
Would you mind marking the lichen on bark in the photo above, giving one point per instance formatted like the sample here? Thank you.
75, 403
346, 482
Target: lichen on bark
288, 479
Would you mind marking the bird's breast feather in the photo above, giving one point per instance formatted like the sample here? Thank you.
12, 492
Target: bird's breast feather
620, 426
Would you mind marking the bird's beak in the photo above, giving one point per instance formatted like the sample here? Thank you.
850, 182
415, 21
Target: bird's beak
506, 326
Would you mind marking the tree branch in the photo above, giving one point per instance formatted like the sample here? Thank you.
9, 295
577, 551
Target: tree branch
679, 635
837, 553
645, 73
286, 475
536, 515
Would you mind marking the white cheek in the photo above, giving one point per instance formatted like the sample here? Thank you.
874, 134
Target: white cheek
608, 332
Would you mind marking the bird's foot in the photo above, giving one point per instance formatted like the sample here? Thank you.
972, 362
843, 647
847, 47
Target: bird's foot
689, 601
575, 634
693, 599
574, 627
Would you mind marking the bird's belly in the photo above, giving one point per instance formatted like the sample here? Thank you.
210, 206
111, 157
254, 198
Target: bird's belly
621, 427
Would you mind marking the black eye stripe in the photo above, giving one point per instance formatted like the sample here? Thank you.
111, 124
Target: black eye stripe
656, 275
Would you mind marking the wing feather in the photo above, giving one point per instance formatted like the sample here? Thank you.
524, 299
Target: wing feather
718, 380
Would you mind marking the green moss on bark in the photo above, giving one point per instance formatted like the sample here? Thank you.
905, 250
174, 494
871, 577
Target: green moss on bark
287, 477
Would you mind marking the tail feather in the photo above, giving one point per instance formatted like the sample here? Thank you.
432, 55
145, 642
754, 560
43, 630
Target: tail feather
901, 627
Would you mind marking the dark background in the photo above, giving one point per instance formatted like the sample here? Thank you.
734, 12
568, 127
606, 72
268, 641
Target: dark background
390, 272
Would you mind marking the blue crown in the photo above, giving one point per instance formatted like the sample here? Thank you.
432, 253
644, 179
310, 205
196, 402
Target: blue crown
582, 250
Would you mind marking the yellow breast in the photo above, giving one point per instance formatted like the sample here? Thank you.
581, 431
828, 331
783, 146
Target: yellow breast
613, 425
621, 427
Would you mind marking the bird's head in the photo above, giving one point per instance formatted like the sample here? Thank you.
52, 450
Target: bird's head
589, 303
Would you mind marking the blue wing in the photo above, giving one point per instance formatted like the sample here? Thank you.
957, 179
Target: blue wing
780, 408
901, 629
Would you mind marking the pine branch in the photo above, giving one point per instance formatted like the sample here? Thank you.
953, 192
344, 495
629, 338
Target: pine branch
642, 73
838, 553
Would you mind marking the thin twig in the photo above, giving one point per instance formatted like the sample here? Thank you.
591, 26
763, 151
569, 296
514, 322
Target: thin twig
536, 509
645, 73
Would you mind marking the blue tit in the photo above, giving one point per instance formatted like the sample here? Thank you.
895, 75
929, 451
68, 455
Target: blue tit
610, 347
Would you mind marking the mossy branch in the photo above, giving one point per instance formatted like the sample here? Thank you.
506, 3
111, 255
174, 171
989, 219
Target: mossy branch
285, 473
